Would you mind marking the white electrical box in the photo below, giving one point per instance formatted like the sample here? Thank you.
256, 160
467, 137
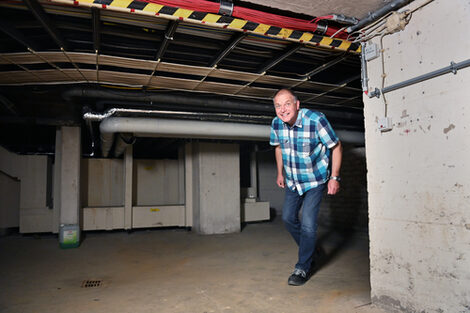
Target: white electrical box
385, 124
371, 51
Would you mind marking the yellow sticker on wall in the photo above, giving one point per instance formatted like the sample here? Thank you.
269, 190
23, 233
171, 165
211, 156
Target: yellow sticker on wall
154, 210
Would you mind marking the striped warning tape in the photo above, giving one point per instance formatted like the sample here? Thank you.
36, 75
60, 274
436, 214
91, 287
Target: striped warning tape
223, 21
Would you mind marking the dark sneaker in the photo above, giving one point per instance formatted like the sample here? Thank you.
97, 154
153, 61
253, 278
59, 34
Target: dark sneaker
298, 278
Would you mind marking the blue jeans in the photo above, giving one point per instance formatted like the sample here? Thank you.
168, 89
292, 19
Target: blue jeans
303, 230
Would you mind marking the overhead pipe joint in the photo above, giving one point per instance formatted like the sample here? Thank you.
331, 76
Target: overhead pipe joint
373, 16
343, 19
226, 7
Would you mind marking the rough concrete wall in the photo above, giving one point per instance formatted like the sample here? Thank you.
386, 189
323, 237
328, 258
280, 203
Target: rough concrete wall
70, 151
418, 173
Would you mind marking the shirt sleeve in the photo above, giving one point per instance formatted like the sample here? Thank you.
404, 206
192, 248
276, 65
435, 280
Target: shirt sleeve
274, 138
326, 133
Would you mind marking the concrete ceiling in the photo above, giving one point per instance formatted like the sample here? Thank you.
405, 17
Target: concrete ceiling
354, 8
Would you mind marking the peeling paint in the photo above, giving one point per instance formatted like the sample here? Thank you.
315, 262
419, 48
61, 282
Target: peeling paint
448, 129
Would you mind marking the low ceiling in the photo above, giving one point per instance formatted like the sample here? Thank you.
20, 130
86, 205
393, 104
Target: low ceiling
61, 58
354, 8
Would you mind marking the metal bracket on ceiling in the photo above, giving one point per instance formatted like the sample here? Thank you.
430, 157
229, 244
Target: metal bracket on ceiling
226, 7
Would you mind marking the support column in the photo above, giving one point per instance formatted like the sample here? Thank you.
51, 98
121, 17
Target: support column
188, 184
128, 177
70, 151
181, 173
253, 190
57, 183
217, 202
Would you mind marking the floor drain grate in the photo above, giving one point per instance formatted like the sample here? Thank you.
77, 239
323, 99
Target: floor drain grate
91, 283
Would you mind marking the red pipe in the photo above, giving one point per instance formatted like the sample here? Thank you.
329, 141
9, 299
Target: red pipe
253, 15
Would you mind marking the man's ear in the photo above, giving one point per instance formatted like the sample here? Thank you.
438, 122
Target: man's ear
297, 104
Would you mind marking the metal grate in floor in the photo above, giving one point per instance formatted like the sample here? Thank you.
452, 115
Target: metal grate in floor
91, 283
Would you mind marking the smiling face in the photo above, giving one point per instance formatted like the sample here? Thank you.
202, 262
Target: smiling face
286, 106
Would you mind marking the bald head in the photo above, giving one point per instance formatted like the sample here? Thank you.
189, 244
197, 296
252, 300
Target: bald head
285, 91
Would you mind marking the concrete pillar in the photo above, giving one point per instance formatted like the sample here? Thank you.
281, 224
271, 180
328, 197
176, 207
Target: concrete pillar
128, 177
217, 190
70, 150
181, 174
188, 184
253, 190
57, 183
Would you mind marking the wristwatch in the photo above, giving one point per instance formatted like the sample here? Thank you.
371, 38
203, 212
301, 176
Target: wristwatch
337, 178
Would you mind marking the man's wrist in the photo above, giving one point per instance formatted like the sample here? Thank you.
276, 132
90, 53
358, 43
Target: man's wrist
337, 178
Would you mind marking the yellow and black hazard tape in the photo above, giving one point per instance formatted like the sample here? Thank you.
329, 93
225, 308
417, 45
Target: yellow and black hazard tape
223, 21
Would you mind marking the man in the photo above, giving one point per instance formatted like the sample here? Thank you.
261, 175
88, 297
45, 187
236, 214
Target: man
305, 142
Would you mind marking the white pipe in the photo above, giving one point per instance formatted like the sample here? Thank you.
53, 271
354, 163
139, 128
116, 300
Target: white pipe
156, 127
159, 127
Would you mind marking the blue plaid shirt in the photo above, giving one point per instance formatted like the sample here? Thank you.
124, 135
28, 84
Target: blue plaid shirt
305, 149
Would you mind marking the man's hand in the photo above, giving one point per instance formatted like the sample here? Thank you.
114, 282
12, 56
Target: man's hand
280, 181
333, 187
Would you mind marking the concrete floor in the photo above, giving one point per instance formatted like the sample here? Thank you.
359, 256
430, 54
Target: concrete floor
173, 270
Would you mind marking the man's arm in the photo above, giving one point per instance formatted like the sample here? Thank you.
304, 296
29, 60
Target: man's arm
336, 159
279, 164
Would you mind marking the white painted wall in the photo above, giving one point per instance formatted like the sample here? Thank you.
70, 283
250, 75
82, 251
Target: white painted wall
102, 182
34, 173
418, 173
157, 182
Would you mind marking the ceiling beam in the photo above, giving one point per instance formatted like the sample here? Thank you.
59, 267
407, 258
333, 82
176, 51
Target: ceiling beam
95, 13
46, 22
271, 63
169, 33
319, 69
337, 87
324, 66
236, 38
16, 35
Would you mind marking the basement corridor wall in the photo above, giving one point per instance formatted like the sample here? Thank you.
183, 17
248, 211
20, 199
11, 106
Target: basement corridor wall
419, 172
